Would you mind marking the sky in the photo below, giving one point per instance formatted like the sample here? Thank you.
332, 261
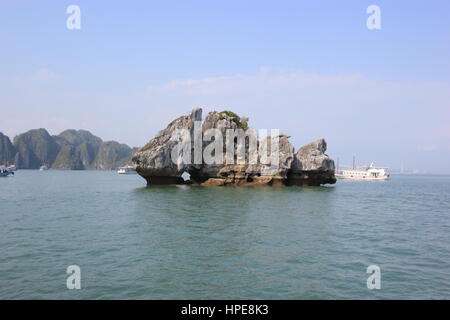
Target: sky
309, 68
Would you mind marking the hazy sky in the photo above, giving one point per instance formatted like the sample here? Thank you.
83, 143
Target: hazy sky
309, 68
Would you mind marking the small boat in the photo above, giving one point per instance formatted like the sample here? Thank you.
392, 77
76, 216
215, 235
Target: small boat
4, 172
43, 168
370, 172
126, 170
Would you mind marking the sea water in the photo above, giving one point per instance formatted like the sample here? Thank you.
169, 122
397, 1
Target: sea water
136, 242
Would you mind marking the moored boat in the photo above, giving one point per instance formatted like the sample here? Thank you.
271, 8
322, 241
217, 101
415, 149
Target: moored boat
126, 170
370, 172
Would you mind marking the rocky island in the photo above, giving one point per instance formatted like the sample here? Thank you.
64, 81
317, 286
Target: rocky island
155, 162
69, 150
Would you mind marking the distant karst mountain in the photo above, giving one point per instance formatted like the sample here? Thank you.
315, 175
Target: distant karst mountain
7, 150
35, 148
70, 150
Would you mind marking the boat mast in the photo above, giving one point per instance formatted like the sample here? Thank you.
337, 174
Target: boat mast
354, 163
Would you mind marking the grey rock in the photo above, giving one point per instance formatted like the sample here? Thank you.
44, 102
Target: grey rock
154, 159
309, 166
285, 156
7, 150
312, 157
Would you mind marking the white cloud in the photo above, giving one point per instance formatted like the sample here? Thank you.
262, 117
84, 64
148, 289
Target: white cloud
348, 106
427, 148
44, 74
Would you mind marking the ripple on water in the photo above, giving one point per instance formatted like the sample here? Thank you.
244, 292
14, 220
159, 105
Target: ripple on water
133, 242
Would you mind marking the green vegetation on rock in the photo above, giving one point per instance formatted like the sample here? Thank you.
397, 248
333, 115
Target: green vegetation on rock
111, 155
70, 150
68, 159
235, 117
34, 149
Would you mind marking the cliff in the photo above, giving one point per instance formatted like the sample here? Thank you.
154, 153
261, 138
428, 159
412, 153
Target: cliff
112, 154
7, 150
239, 159
78, 148
70, 150
35, 148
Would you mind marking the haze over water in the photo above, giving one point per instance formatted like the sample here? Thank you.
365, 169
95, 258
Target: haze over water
134, 242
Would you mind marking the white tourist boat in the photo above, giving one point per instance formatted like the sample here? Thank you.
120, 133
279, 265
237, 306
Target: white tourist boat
370, 172
126, 170
43, 168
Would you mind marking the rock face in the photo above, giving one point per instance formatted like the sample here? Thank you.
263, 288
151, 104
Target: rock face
111, 154
7, 150
70, 150
311, 166
78, 150
34, 149
154, 159
156, 162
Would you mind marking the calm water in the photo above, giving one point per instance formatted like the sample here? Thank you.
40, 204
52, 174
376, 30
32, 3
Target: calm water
133, 242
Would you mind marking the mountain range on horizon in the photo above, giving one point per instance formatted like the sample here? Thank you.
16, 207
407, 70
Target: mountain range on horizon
69, 150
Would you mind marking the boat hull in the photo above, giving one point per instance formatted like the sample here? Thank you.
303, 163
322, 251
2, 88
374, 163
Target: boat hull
339, 176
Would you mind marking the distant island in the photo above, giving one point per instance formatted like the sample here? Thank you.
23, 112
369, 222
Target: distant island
70, 150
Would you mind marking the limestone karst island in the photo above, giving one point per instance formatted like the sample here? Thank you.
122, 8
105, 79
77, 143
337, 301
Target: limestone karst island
309, 166
69, 150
